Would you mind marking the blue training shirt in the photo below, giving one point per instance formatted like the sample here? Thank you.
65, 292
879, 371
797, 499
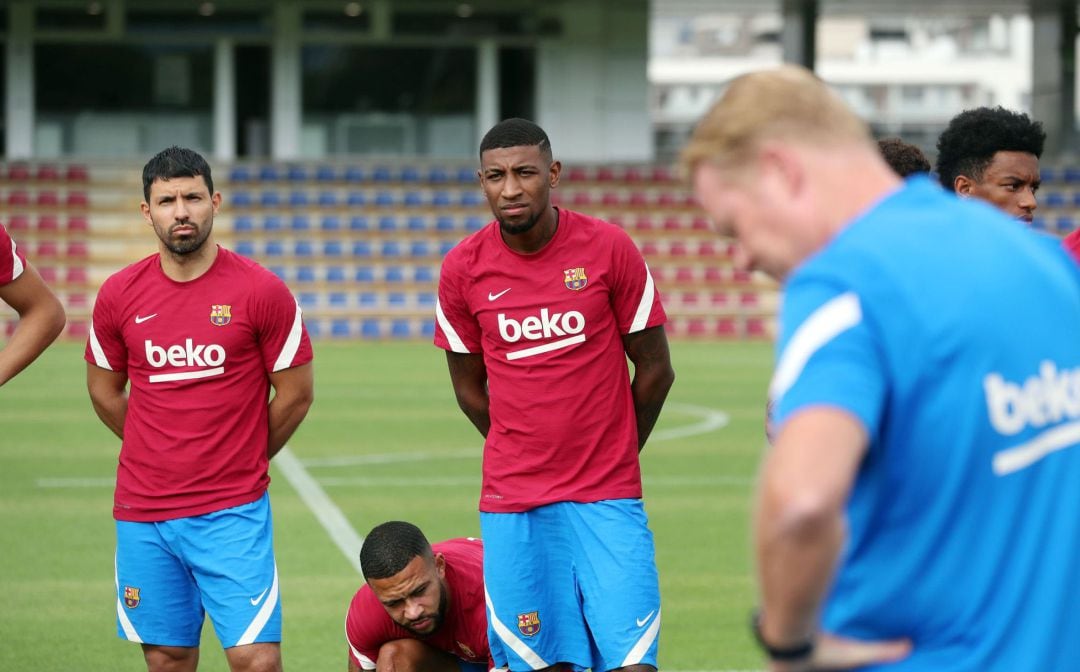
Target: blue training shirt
953, 334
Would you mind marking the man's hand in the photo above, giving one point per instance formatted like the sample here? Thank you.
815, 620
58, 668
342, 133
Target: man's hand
832, 652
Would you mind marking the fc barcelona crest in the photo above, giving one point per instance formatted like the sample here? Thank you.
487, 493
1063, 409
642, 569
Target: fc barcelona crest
220, 314
529, 623
575, 279
131, 597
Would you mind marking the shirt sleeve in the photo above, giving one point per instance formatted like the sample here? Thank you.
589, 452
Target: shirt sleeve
634, 296
105, 345
12, 261
362, 649
283, 337
827, 356
456, 329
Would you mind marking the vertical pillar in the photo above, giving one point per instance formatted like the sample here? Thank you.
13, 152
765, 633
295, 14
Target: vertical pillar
798, 37
19, 94
224, 101
487, 87
286, 102
1053, 73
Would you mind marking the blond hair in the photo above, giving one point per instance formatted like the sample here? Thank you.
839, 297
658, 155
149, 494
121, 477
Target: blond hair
788, 103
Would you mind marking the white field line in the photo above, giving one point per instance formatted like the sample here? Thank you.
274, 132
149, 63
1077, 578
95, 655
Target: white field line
711, 420
328, 514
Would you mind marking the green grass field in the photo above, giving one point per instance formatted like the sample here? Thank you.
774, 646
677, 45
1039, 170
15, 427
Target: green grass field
384, 440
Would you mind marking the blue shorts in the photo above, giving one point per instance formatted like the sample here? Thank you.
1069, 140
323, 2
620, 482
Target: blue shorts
168, 572
572, 583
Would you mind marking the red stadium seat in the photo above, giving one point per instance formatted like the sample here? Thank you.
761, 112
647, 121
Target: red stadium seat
581, 198
714, 274
577, 174
77, 199
18, 223
76, 173
77, 300
660, 274
633, 174
684, 274
719, 299
740, 277
678, 249
639, 198
47, 198
18, 198
672, 223
725, 326
706, 248
48, 249
76, 275
755, 327
644, 223
690, 298
667, 199
77, 249
605, 174
78, 329
19, 172
611, 198
650, 248
47, 273
78, 223
749, 299
700, 223
696, 327
617, 220
662, 174
47, 172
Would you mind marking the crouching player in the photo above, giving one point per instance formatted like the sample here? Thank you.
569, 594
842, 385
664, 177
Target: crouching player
422, 607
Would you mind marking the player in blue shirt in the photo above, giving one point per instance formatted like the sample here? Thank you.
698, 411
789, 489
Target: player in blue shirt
918, 508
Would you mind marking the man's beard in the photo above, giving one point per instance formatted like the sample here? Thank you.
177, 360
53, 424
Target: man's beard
188, 244
517, 229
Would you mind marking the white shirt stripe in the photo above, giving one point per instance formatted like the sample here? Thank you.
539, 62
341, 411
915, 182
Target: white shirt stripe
95, 347
519, 647
452, 337
267, 610
292, 343
17, 265
644, 309
831, 319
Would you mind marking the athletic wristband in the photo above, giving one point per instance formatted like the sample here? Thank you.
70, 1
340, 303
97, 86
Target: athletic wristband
781, 653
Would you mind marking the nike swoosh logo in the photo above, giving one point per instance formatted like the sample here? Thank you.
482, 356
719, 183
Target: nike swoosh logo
642, 621
255, 600
139, 319
492, 297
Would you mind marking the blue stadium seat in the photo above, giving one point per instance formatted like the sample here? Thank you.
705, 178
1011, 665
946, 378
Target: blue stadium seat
240, 174
1072, 175
330, 223
1064, 224
426, 299
364, 274
423, 274
300, 223
1076, 200
279, 271
471, 199
336, 273
270, 199
410, 174
1039, 223
314, 328
400, 329
325, 174
390, 248
304, 248
394, 274
388, 223
361, 248
445, 223
419, 248
355, 174
338, 300
297, 174
1048, 175
356, 199
245, 223
442, 199
438, 175
427, 329
269, 173
367, 299
413, 199
382, 174
416, 223
445, 246
466, 175
384, 199
1054, 199
340, 328
327, 199
244, 248
333, 248
242, 199
370, 329
308, 300
359, 223
299, 199
474, 223
305, 274
273, 223
397, 300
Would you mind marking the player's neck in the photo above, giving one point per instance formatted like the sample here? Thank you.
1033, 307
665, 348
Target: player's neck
537, 237
187, 267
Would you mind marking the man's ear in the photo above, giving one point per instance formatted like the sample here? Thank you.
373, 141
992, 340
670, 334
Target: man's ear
963, 186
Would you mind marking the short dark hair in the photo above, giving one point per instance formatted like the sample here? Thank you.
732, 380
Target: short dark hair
973, 137
389, 547
516, 132
903, 157
175, 162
